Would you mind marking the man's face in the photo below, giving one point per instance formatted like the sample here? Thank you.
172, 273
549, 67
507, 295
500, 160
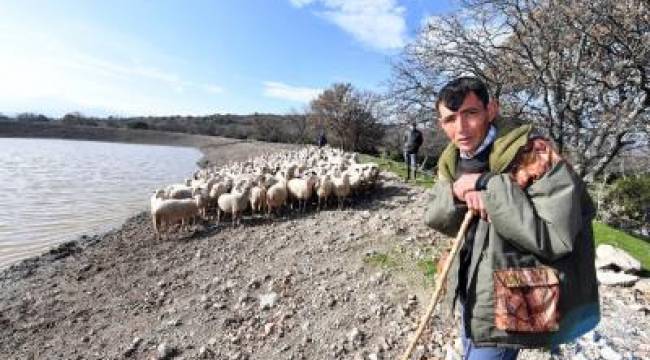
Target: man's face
467, 126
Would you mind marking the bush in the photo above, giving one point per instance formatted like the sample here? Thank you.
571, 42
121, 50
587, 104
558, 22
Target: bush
628, 202
141, 125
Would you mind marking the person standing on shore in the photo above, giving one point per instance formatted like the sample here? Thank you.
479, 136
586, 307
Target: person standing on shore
525, 274
412, 142
322, 140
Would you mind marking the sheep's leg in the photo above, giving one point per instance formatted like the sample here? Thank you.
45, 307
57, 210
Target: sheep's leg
218, 215
155, 225
234, 216
318, 207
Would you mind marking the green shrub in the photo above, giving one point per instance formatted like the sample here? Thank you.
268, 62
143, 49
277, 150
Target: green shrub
629, 199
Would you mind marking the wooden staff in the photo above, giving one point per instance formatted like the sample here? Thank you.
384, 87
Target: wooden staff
439, 283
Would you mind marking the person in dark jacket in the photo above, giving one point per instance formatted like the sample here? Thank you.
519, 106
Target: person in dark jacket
412, 142
322, 140
525, 275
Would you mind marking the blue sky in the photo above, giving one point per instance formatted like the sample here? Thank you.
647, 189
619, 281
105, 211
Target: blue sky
196, 57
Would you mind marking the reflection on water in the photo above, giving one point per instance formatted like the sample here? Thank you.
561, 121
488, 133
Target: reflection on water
56, 190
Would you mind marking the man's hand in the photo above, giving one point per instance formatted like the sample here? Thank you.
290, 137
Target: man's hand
475, 204
464, 184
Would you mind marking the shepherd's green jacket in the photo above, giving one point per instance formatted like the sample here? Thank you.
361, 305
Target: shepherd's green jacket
548, 223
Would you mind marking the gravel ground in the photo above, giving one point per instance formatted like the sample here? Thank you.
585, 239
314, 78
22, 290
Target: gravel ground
335, 284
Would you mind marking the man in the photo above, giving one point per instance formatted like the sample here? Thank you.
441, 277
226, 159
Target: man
322, 140
540, 236
412, 143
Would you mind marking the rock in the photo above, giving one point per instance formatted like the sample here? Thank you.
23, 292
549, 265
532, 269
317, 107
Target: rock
356, 336
267, 301
608, 353
608, 256
132, 347
268, 328
253, 284
451, 354
643, 286
174, 322
204, 352
164, 351
615, 279
579, 356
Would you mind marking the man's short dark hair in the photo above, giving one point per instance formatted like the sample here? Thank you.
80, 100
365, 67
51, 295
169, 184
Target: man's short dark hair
454, 93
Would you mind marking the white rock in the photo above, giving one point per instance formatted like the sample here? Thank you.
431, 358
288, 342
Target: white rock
268, 328
643, 286
450, 353
608, 353
579, 356
164, 351
267, 301
615, 279
607, 255
355, 335
203, 352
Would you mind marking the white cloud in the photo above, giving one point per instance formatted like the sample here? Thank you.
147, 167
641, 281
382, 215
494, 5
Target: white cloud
300, 3
41, 70
380, 24
283, 91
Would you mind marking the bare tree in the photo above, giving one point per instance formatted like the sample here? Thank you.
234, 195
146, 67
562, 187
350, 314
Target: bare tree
578, 69
349, 115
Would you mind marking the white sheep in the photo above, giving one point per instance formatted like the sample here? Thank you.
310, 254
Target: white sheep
258, 198
341, 187
302, 189
217, 190
171, 211
324, 189
276, 195
234, 203
178, 191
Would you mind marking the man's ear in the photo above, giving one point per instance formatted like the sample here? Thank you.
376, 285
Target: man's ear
493, 109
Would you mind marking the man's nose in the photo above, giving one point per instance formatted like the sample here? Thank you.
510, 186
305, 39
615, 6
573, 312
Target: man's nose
460, 123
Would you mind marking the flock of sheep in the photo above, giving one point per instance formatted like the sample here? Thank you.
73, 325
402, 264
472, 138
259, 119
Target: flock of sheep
264, 184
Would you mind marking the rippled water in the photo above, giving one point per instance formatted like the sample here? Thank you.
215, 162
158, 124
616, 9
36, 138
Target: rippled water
56, 190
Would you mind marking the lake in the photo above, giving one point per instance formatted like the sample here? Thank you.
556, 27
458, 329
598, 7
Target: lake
56, 190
